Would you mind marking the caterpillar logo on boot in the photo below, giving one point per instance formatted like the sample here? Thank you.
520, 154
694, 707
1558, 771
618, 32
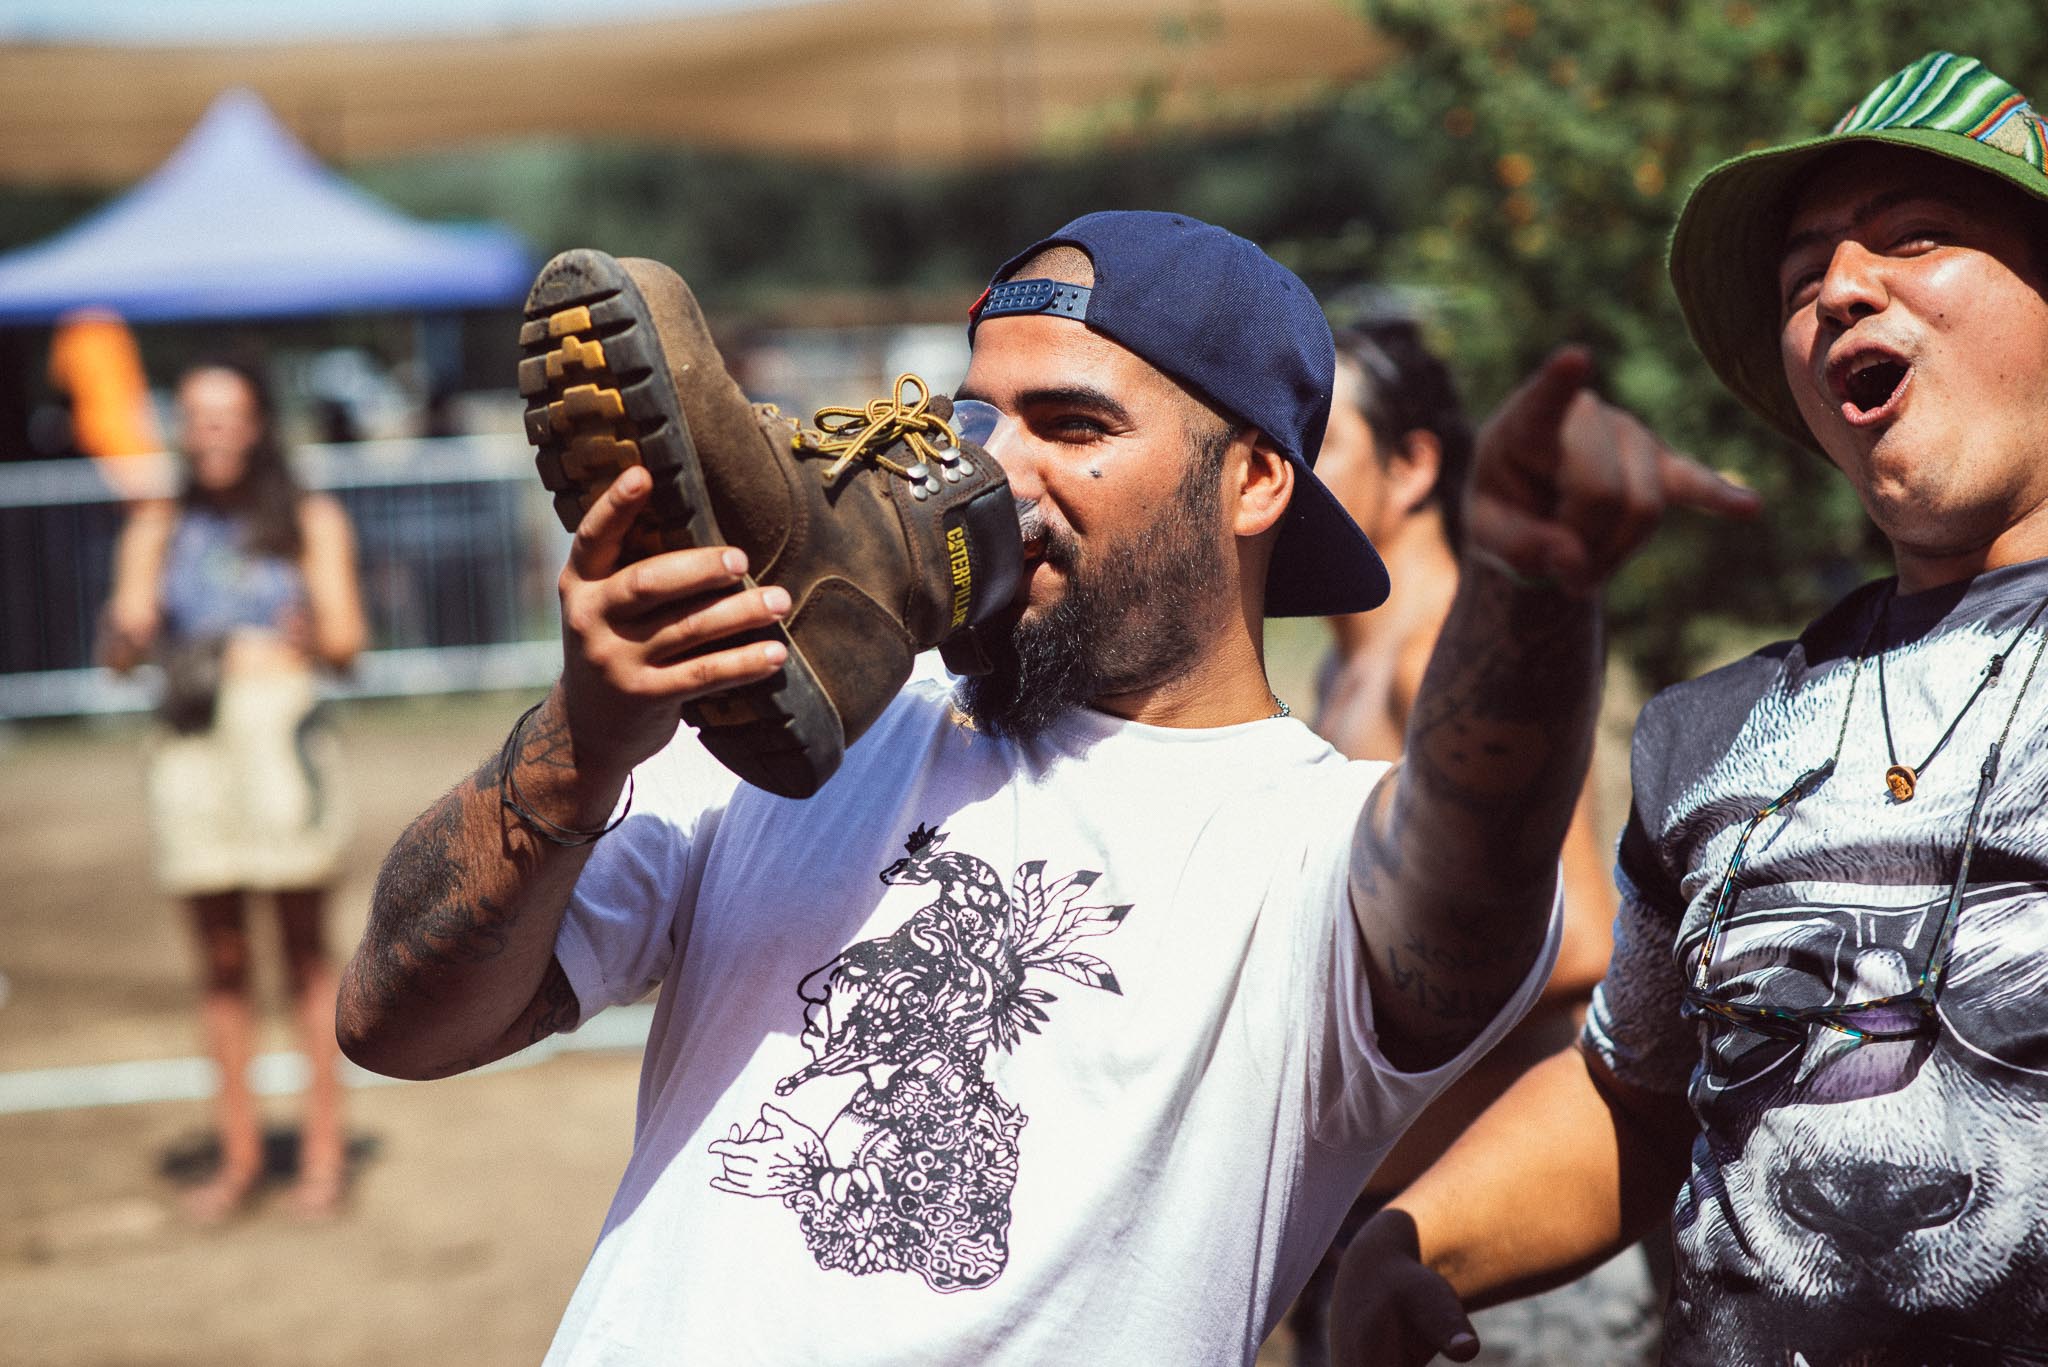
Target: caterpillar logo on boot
963, 572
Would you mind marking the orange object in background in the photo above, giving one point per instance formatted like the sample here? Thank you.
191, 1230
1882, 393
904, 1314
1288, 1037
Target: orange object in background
94, 360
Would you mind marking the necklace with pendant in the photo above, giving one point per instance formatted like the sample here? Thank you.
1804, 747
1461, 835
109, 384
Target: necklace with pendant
1903, 780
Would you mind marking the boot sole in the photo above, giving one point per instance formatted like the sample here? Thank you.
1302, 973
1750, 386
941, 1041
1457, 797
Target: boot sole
598, 399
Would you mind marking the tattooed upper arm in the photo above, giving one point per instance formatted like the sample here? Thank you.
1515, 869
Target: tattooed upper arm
426, 918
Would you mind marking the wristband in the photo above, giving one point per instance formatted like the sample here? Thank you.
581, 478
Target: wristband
510, 798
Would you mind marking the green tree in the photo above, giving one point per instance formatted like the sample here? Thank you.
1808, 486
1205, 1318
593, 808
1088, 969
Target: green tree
1555, 144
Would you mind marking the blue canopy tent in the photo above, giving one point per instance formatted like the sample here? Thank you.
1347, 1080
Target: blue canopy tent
242, 222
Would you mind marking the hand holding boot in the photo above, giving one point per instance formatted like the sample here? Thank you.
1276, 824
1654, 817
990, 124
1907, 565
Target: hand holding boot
635, 637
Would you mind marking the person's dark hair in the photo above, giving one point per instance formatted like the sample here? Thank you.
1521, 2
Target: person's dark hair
1407, 388
266, 497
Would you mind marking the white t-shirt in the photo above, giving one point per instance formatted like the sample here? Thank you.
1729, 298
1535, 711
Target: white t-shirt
987, 1053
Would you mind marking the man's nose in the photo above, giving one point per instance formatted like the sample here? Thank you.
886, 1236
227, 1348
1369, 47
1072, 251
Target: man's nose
1854, 285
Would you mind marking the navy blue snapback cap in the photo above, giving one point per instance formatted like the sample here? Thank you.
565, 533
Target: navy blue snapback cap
1216, 313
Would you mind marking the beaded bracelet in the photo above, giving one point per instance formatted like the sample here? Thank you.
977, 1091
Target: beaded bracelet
510, 798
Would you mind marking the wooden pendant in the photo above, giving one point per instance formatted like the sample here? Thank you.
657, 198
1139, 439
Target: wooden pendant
1901, 779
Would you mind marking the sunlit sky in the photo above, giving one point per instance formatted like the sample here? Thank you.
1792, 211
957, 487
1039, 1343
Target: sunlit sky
230, 21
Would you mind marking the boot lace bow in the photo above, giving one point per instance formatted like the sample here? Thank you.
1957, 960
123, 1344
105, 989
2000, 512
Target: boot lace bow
904, 416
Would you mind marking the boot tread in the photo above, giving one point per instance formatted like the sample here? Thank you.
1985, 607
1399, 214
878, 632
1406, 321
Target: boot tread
599, 400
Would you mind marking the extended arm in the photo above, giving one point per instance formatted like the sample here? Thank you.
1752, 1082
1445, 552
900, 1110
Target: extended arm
1369, 732
1454, 869
456, 967
1455, 863
1569, 1167
1589, 1161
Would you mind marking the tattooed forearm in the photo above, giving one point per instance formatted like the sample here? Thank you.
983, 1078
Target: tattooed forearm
457, 954
1455, 862
1498, 742
425, 917
544, 742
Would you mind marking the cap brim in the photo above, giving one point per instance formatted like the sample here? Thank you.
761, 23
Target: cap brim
1724, 255
1323, 564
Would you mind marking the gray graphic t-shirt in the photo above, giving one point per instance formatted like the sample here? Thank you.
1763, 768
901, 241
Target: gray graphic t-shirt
1870, 1203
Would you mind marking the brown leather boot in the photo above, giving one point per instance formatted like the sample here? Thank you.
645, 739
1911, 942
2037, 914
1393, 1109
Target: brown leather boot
889, 532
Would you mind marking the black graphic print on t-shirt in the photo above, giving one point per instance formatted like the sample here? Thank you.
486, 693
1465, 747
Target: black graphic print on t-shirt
915, 1173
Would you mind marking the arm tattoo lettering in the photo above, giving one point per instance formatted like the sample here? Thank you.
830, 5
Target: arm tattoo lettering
1439, 957
1436, 993
1456, 860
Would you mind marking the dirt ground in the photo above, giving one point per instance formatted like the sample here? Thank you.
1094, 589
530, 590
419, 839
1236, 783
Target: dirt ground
470, 1219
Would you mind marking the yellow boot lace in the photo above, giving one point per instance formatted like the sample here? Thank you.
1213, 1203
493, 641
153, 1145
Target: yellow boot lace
905, 415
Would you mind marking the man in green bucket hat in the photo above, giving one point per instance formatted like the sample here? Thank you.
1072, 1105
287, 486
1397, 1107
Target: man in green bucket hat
1821, 1049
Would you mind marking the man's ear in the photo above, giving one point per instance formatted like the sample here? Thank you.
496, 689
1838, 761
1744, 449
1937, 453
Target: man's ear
1264, 484
1412, 467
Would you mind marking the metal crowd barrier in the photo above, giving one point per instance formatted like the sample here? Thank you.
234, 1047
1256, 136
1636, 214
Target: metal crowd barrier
457, 553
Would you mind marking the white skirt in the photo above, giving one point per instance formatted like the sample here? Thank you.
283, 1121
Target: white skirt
254, 802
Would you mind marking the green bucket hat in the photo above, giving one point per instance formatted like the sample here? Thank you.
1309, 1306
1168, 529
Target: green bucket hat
1724, 252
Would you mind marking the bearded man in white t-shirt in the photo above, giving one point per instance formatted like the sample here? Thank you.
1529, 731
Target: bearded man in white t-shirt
1061, 1022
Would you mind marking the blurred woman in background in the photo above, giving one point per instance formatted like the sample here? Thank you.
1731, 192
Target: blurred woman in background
1396, 455
242, 588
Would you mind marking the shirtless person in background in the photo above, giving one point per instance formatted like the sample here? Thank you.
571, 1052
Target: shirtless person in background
1396, 455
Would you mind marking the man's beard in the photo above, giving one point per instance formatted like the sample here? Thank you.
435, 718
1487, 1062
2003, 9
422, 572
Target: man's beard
1132, 621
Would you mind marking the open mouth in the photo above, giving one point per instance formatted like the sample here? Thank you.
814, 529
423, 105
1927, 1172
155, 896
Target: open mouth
1031, 525
1869, 386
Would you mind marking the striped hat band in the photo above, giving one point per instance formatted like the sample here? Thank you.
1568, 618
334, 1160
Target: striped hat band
1954, 95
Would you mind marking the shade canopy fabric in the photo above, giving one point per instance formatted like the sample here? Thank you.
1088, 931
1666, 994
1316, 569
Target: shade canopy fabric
242, 222
897, 83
